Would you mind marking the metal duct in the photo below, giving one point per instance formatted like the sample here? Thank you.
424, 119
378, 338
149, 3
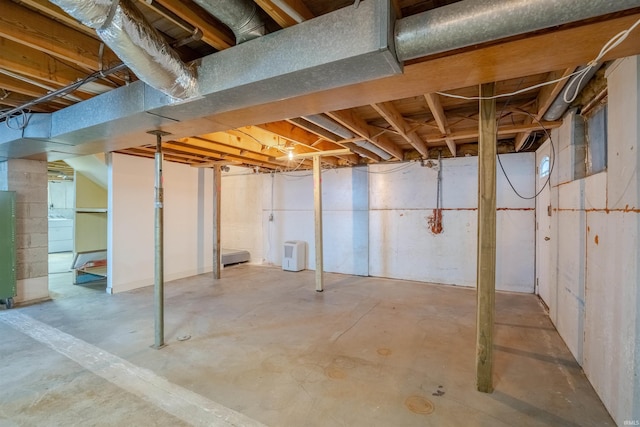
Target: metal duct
239, 15
559, 106
373, 148
334, 127
330, 125
123, 28
471, 22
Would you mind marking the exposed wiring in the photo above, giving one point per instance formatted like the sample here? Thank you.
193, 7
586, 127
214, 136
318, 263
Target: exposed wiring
396, 169
435, 221
581, 75
25, 120
553, 162
59, 93
578, 76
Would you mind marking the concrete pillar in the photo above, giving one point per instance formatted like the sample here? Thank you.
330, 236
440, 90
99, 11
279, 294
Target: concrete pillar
28, 178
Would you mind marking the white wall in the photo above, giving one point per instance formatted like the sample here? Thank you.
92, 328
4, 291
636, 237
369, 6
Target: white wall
402, 245
595, 278
375, 220
187, 222
289, 197
241, 216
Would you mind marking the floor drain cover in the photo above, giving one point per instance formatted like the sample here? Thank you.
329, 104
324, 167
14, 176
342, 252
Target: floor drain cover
419, 405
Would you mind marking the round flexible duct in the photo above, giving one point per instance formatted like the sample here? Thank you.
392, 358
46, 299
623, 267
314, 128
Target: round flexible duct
239, 15
140, 47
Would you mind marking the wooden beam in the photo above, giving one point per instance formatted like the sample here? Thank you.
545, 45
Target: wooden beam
208, 152
24, 60
18, 86
339, 152
213, 33
44, 34
396, 8
293, 133
297, 135
391, 114
502, 130
545, 98
486, 269
433, 101
286, 12
53, 11
217, 197
15, 100
359, 126
317, 203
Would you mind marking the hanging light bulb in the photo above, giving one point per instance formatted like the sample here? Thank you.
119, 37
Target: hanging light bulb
290, 154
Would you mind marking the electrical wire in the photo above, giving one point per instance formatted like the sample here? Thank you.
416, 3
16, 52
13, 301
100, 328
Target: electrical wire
26, 116
553, 162
394, 170
577, 76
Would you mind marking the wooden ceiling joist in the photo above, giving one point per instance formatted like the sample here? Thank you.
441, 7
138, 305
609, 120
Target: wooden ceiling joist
472, 133
24, 60
435, 106
390, 113
49, 36
214, 33
189, 149
357, 125
300, 136
47, 8
18, 86
286, 12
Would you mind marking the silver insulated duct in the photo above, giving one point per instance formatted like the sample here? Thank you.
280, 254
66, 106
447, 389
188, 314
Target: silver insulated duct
239, 15
123, 28
336, 128
472, 22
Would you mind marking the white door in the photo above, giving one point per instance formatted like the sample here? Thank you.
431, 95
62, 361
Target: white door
543, 222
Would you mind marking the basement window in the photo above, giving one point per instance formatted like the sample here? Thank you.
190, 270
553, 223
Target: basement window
544, 169
596, 140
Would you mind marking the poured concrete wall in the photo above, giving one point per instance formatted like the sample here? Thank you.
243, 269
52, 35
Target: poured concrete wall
375, 220
289, 198
241, 216
595, 278
403, 246
187, 222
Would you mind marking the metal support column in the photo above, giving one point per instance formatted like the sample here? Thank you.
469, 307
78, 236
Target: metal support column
216, 220
486, 273
317, 200
158, 284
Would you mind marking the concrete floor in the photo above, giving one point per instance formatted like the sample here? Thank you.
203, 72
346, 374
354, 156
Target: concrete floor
262, 342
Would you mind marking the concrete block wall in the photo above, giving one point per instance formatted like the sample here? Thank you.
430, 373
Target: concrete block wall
595, 275
28, 178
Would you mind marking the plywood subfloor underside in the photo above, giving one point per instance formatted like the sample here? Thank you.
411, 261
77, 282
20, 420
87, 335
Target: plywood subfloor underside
366, 352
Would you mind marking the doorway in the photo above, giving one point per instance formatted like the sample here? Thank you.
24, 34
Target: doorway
543, 222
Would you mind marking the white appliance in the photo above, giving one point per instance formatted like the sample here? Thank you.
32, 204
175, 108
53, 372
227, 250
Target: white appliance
294, 255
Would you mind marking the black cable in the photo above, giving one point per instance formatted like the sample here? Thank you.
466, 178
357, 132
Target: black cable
553, 162
535, 196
